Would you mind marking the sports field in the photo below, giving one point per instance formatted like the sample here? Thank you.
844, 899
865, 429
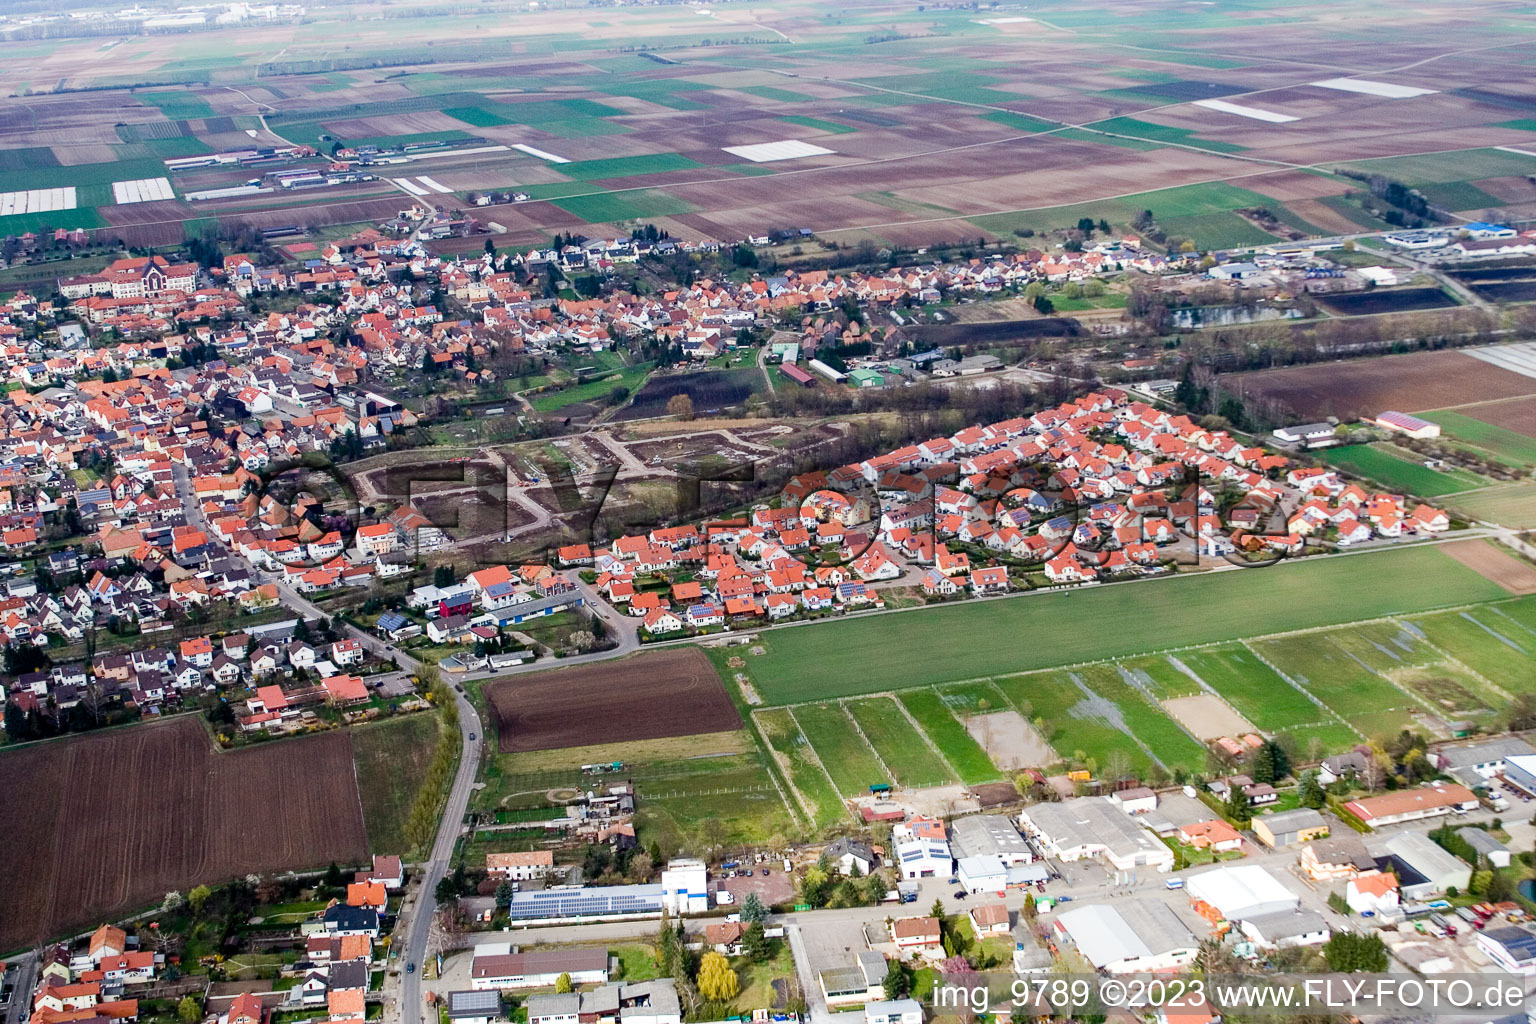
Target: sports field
1385, 466
957, 642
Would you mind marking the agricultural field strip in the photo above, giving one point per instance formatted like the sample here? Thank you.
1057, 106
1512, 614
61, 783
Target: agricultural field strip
142, 190
38, 200
1318, 699
807, 800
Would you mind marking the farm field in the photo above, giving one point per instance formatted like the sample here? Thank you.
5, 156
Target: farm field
692, 789
1397, 472
798, 761
1499, 440
1512, 505
932, 713
181, 813
1252, 687
668, 693
936, 645
391, 758
847, 758
1324, 669
1407, 383
903, 750
1498, 649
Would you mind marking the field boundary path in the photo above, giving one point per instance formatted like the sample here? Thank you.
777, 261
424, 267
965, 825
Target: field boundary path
1314, 698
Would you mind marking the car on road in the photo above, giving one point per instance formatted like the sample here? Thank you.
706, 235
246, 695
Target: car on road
410, 968
471, 737
765, 872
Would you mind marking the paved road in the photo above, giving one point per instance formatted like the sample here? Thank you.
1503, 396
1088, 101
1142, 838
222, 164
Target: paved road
417, 930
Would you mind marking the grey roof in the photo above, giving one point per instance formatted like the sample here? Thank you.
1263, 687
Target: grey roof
1291, 821
1343, 850
873, 966
1091, 819
980, 834
565, 1004
473, 1003
1480, 840
891, 1007
349, 974
1130, 929
1465, 755
1286, 923
1425, 856
842, 847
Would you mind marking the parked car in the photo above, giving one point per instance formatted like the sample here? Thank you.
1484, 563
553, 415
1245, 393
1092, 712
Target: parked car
410, 968
959, 895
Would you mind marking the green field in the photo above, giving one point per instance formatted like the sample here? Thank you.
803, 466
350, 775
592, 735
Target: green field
1499, 441
820, 124
1162, 133
799, 762
637, 204
490, 114
624, 166
957, 745
1252, 687
391, 758
936, 645
1054, 700
1202, 213
1019, 122
899, 745
1326, 670
710, 801
1460, 165
593, 391
178, 106
1386, 467
1494, 648
847, 758
1162, 679
1144, 720
1512, 505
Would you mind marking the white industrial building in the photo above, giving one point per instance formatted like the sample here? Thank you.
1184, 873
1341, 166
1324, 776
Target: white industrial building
1091, 826
1135, 935
685, 887
923, 858
981, 835
1242, 892
985, 873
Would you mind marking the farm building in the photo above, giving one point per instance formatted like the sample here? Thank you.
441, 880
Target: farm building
797, 375
1403, 423
1483, 842
1137, 935
496, 966
1301, 825
636, 1002
1473, 763
1513, 949
867, 379
472, 1007
520, 866
834, 375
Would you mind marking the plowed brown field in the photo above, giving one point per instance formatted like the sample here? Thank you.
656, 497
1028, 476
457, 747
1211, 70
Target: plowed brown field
105, 824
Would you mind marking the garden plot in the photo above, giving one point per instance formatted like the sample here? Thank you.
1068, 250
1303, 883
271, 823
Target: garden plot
767, 152
142, 190
1010, 741
1386, 90
1207, 716
1257, 113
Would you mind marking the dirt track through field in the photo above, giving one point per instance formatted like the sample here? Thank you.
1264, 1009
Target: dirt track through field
1496, 564
105, 824
649, 696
